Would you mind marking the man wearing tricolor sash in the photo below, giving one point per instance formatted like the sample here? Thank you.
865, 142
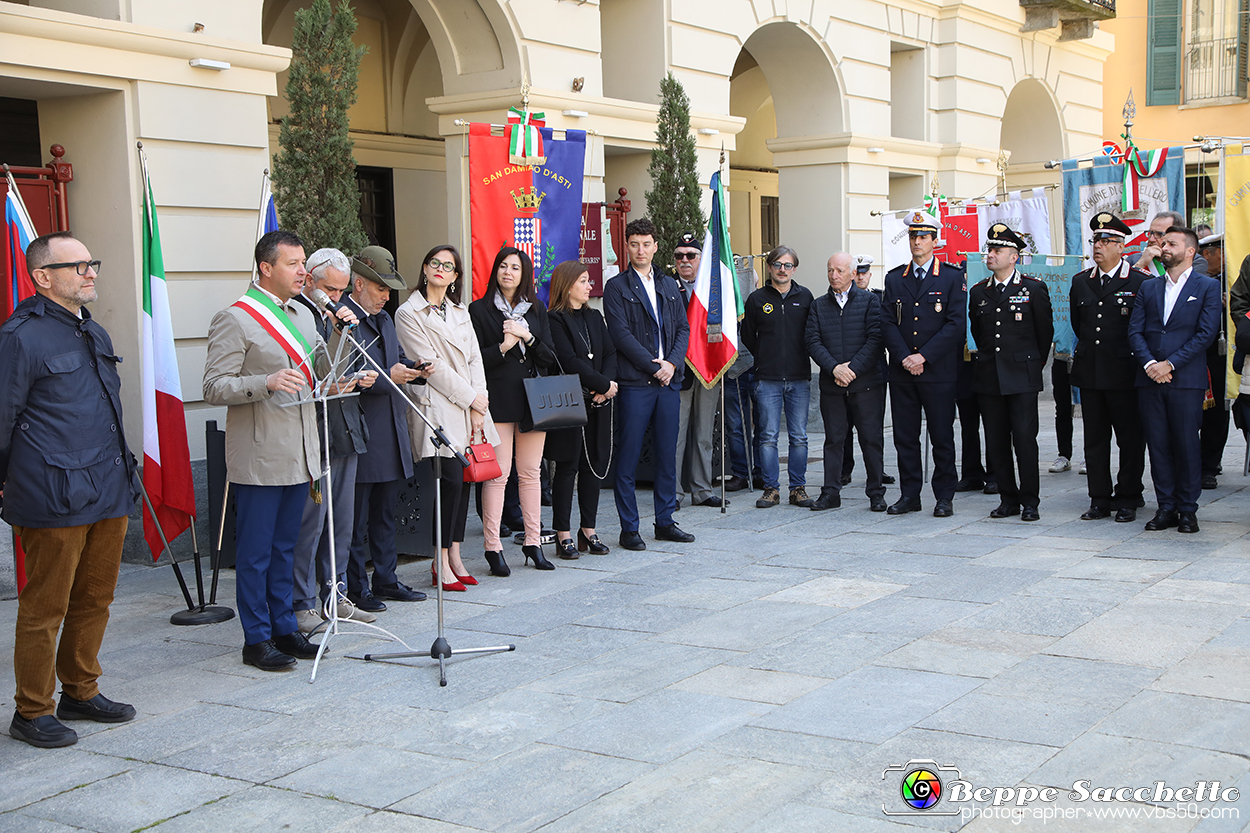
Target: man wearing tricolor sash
261, 355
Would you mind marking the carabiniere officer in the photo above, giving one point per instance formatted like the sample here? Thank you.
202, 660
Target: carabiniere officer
1010, 321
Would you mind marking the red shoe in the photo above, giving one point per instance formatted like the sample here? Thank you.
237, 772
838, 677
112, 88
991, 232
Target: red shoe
448, 587
467, 579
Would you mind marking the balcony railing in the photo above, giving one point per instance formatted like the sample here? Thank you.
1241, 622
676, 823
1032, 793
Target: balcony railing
1215, 69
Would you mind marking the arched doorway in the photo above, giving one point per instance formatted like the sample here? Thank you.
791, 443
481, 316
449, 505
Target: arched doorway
1032, 129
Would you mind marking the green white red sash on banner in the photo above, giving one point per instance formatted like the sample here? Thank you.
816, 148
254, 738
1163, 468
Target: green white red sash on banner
1136, 166
276, 322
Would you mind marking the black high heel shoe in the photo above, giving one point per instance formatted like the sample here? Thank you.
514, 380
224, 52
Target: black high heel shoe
567, 550
498, 567
540, 561
593, 544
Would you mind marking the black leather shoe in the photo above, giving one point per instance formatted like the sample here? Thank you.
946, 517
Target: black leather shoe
877, 504
1163, 519
540, 560
366, 601
736, 484
45, 732
970, 484
943, 509
674, 533
295, 644
1029, 513
567, 550
631, 540
1209, 482
991, 488
1096, 513
887, 479
592, 545
826, 500
1126, 515
498, 567
398, 592
266, 656
711, 500
99, 708
1186, 522
1004, 510
904, 505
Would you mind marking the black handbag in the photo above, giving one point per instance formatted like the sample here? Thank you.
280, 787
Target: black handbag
553, 402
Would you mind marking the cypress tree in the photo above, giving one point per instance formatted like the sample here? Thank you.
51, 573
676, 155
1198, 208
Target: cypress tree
314, 173
673, 201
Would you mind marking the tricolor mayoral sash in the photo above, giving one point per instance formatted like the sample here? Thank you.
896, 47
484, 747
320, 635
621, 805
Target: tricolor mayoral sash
275, 321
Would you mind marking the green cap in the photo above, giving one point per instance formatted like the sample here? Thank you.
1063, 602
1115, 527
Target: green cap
377, 264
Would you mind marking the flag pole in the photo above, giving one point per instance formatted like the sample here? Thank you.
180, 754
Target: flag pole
720, 382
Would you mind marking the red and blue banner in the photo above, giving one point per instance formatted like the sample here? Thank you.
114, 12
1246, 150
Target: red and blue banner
536, 208
18, 232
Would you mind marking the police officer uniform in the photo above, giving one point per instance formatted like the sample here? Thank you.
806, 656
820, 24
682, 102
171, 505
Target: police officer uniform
1012, 327
1104, 369
923, 312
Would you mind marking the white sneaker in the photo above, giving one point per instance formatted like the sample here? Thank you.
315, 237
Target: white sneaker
347, 610
1061, 464
1081, 468
308, 620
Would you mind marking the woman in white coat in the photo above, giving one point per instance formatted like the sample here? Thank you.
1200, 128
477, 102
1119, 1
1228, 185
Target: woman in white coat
434, 326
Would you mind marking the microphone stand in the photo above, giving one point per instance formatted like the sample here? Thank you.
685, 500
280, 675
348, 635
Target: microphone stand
440, 650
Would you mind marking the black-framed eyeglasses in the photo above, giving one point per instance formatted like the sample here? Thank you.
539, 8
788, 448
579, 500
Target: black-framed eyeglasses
443, 265
783, 267
685, 255
81, 266
1153, 233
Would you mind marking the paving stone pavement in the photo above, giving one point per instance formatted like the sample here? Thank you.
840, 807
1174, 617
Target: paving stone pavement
777, 675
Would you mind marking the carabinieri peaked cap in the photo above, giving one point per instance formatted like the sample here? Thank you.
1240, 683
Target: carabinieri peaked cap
1000, 236
1106, 225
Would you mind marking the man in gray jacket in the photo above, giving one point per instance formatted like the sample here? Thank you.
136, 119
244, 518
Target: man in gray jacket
67, 484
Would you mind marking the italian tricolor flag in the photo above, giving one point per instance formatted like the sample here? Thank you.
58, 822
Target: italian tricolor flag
716, 307
166, 457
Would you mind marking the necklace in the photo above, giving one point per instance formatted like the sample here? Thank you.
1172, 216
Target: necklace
586, 337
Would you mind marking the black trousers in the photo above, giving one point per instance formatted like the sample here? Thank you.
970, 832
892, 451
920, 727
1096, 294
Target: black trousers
1011, 423
1104, 412
908, 398
373, 535
588, 487
1063, 406
970, 438
454, 493
866, 411
1172, 420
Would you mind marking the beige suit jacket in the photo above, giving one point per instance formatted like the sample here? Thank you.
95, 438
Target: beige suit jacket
266, 445
457, 377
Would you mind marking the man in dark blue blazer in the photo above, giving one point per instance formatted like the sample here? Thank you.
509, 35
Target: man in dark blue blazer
1175, 319
388, 460
647, 321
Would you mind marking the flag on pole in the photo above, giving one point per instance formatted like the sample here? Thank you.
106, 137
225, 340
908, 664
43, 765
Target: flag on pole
268, 220
716, 307
19, 231
166, 456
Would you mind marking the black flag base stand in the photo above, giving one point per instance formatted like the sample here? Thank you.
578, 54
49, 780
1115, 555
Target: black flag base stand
202, 614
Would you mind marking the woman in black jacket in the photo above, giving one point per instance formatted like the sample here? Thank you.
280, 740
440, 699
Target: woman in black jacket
583, 347
512, 330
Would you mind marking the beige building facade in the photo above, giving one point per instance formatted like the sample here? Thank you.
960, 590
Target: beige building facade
828, 111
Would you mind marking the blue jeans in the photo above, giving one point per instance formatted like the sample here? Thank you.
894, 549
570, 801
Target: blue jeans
770, 397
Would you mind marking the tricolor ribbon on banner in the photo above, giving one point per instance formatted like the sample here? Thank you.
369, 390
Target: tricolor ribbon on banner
525, 142
1136, 166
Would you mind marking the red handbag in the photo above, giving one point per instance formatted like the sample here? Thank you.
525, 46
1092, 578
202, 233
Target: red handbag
483, 465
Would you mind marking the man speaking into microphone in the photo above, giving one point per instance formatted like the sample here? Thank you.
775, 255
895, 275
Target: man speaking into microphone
260, 356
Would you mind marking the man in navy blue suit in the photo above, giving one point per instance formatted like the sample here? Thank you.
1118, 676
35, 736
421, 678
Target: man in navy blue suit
647, 321
1175, 319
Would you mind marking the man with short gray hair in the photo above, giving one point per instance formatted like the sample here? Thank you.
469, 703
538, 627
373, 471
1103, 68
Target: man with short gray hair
1148, 259
330, 271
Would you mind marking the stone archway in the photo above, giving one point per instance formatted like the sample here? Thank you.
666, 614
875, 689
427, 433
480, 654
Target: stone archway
1032, 128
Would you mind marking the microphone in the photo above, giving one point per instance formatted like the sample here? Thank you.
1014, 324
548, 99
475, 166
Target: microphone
321, 299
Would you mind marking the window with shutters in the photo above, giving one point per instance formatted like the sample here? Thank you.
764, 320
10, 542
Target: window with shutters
1163, 60
1215, 49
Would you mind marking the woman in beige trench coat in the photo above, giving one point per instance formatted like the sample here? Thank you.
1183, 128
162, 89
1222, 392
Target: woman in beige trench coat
434, 326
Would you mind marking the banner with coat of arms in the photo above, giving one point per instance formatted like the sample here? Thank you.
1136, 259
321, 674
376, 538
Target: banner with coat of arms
1091, 188
535, 207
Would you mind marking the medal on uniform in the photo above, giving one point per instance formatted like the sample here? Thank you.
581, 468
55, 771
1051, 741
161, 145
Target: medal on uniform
937, 307
1019, 316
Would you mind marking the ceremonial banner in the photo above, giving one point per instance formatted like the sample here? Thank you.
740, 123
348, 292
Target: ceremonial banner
961, 233
166, 456
1029, 218
537, 209
18, 232
1236, 193
716, 307
1091, 188
591, 252
1058, 280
